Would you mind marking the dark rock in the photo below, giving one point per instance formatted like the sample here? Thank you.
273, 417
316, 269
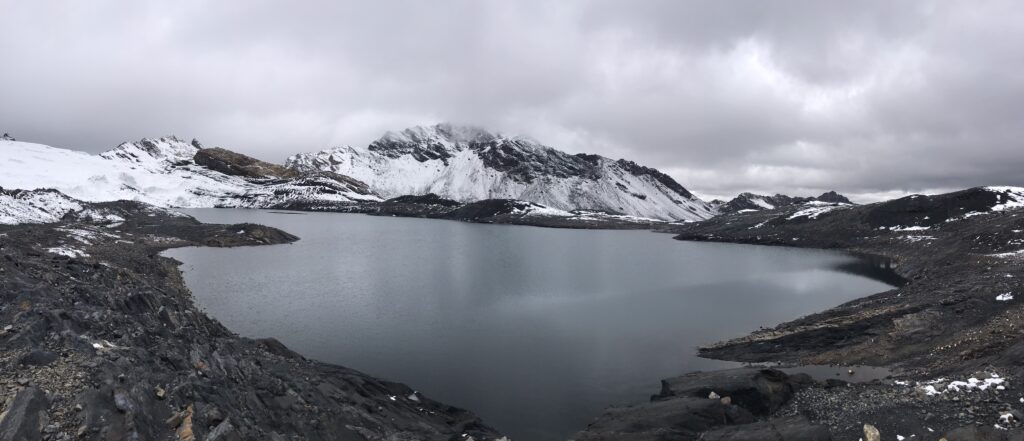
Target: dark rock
778, 429
833, 197
223, 432
237, 164
984, 433
24, 418
760, 391
674, 418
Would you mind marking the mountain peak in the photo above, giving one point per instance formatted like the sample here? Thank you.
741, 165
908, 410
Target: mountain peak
167, 149
747, 201
442, 132
467, 163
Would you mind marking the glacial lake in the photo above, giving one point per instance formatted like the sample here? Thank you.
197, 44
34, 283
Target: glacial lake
534, 329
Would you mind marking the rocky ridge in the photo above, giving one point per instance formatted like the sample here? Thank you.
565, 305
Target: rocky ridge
506, 211
169, 172
746, 202
469, 164
952, 336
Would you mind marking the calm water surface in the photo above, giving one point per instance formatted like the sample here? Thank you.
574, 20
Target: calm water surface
534, 329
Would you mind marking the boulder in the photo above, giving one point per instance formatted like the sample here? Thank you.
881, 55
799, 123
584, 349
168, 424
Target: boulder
39, 357
24, 418
760, 391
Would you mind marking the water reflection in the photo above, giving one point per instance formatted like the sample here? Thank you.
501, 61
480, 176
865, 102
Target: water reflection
536, 330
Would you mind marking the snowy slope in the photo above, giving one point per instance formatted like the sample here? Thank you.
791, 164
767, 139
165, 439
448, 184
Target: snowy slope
34, 207
469, 164
746, 202
160, 172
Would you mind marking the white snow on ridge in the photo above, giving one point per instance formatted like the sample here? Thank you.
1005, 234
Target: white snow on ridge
815, 210
112, 176
760, 202
159, 172
1014, 196
67, 252
34, 207
454, 170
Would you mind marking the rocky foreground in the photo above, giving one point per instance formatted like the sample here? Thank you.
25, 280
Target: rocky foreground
952, 335
100, 340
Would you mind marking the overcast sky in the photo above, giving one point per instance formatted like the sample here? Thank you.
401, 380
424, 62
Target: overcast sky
868, 98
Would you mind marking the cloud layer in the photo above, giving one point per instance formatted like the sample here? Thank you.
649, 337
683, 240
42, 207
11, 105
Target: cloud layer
870, 98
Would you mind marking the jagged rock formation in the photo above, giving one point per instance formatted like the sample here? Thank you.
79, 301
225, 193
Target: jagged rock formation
755, 202
469, 164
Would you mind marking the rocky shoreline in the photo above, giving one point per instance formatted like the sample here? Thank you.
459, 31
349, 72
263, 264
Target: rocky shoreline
952, 335
100, 340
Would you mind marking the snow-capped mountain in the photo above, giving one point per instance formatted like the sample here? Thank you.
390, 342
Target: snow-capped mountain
470, 164
164, 172
755, 202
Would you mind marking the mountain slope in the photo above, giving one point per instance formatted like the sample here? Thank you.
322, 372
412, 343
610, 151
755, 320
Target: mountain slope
755, 202
165, 172
468, 164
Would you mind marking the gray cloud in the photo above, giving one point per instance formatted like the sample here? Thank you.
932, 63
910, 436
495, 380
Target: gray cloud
870, 98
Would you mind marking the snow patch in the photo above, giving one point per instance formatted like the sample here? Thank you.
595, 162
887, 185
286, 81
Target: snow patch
911, 228
816, 210
942, 386
1014, 197
917, 238
1009, 255
67, 252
